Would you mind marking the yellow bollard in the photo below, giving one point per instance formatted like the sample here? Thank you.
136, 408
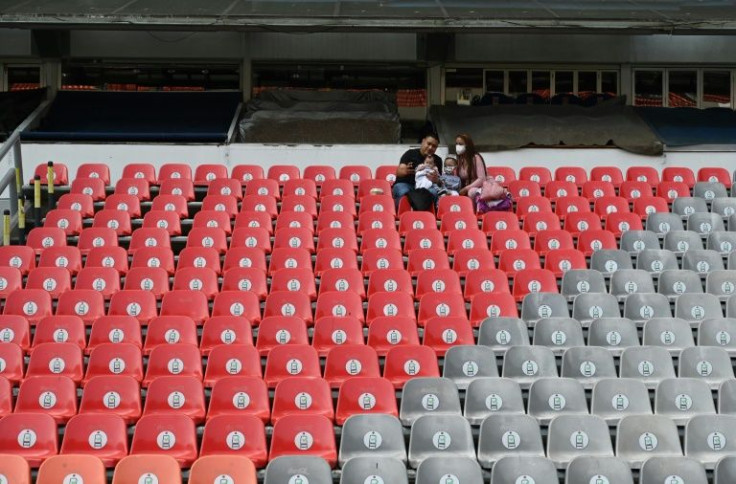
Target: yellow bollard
6, 227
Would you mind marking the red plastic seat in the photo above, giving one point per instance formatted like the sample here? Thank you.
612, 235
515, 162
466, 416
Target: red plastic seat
200, 258
249, 279
227, 204
291, 360
260, 203
559, 188
440, 334
380, 259
514, 260
94, 171
503, 240
289, 258
295, 280
173, 360
410, 221
381, 239
144, 171
60, 329
348, 361
548, 240
135, 187
715, 174
502, 174
21, 257
681, 174
176, 395
294, 238
455, 221
172, 203
482, 280
96, 237
247, 173
137, 468
383, 203
331, 332
177, 186
57, 359
10, 280
172, 435
153, 237
238, 303
337, 187
427, 259
77, 201
175, 171
153, 279
319, 173
124, 202
252, 238
524, 188
244, 257
338, 203
562, 260
494, 221
423, 239
301, 187
114, 395
207, 173
406, 362
390, 280
644, 206
137, 303
490, 305
32, 436
537, 174
225, 330
302, 396
41, 238
472, 238
87, 304
386, 332
212, 219
51, 395
632, 189
337, 239
610, 174
33, 304
304, 435
116, 330
339, 304
13, 366
530, 204
280, 330
232, 437
373, 186
236, 360
54, 280
299, 204
362, 395
162, 219
15, 469
531, 281
170, 330
200, 279
117, 220
355, 173
441, 305
573, 174
567, 205
225, 186
620, 222
591, 240
60, 173
102, 436
70, 221
466, 260
253, 219
240, 396
300, 220
289, 303
607, 205
645, 174
538, 221
386, 172
577, 222
454, 203
436, 281
15, 329
669, 190
597, 188
115, 359
283, 173
188, 303
394, 304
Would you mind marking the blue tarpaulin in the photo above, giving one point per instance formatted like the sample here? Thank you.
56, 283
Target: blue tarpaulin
691, 126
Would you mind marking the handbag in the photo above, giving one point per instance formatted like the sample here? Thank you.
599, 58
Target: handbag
491, 190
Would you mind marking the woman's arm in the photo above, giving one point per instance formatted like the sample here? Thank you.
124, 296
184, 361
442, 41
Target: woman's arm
481, 175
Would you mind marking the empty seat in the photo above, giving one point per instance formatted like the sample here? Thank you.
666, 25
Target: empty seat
673, 334
491, 396
375, 436
240, 395
527, 364
425, 396
698, 307
368, 468
532, 281
590, 306
708, 438
73, 469
588, 365
572, 436
609, 261
663, 222
31, 436
640, 437
615, 398
62, 359
702, 261
705, 223
673, 283
60, 329
304, 435
172, 435
348, 361
298, 468
643, 307
154, 468
725, 470
613, 334
717, 332
15, 329
406, 362
656, 261
180, 395
385, 332
650, 364
465, 363
635, 241
183, 360
679, 241
686, 206
708, 363
231, 360
629, 281
103, 436
361, 395
536, 306
440, 435
52, 395
235, 468
672, 469
508, 434
291, 360
586, 469
682, 398
116, 395
524, 469
500, 333
723, 242
235, 436
550, 397
558, 333
582, 281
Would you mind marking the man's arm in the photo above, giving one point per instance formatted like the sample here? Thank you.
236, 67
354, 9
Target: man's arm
404, 170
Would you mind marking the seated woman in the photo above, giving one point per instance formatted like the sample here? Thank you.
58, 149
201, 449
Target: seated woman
470, 165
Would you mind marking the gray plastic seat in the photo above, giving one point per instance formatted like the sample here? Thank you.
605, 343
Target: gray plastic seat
725, 471
613, 334
525, 364
362, 470
708, 363
719, 332
587, 307
582, 281
708, 438
732, 261
539, 305
721, 283
550, 397
655, 261
705, 223
372, 435
465, 363
631, 281
702, 261
608, 261
643, 307
679, 241
501, 333
732, 223
674, 283
731, 306
685, 206
502, 435
698, 307
650, 364
447, 436
572, 436
634, 241
598, 470
428, 396
673, 334
727, 398
558, 334
588, 365
709, 190
441, 470
523, 470
723, 206
682, 398
641, 437
674, 470
492, 396
663, 222
294, 468
723, 242
616, 398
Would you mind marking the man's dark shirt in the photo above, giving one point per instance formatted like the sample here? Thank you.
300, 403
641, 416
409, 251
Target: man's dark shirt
414, 158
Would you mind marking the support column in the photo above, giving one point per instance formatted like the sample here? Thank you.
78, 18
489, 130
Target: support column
51, 76
246, 68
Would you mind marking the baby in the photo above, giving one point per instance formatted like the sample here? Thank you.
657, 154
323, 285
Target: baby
449, 177
421, 179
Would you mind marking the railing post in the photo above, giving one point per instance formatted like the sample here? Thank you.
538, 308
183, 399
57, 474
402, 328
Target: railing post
18, 159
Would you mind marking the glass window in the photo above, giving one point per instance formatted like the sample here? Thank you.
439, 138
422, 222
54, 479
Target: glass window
609, 82
541, 83
23, 77
517, 83
648, 88
683, 89
494, 81
587, 81
564, 82
464, 78
716, 89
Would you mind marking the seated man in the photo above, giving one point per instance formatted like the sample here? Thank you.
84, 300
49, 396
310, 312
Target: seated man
406, 171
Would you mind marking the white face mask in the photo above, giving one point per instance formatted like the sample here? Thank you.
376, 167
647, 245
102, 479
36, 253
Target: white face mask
459, 149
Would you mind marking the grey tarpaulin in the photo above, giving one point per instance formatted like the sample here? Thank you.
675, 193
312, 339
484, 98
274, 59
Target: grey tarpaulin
321, 117
506, 127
